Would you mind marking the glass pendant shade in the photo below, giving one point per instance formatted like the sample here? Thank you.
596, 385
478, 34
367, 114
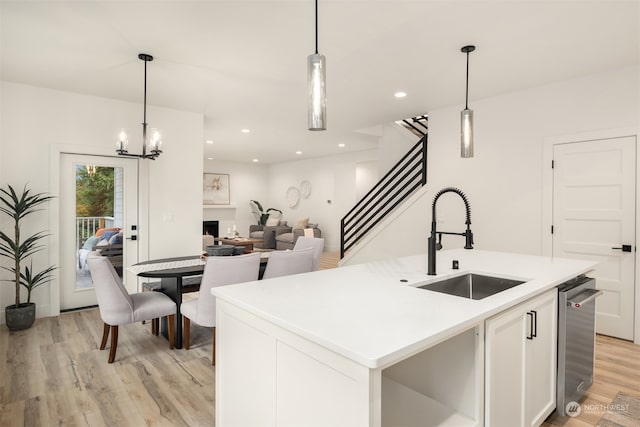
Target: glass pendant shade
155, 141
466, 133
122, 141
316, 71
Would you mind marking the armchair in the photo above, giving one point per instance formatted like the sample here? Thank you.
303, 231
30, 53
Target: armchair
287, 240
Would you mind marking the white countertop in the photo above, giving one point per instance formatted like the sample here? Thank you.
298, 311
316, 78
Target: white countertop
365, 313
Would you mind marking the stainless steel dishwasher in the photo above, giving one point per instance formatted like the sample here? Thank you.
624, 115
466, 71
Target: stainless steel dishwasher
576, 340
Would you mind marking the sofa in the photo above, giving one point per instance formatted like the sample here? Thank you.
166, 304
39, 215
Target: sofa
287, 240
267, 233
108, 243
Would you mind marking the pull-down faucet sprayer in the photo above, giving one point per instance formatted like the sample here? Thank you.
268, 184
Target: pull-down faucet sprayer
431, 262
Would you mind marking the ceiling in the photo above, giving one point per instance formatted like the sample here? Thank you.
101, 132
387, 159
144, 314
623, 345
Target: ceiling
243, 63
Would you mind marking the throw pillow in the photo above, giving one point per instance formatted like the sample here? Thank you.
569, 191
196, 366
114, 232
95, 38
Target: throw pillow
91, 242
108, 234
116, 239
301, 223
103, 242
272, 222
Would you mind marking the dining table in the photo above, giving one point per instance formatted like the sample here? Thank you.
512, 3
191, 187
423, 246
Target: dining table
172, 273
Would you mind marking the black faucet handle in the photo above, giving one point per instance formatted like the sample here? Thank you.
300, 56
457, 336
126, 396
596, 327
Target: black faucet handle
468, 239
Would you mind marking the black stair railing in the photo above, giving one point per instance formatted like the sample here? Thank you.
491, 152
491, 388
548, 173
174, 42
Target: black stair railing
406, 176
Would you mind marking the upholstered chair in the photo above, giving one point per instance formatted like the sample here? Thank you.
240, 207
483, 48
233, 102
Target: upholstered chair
285, 263
118, 307
218, 271
207, 240
317, 243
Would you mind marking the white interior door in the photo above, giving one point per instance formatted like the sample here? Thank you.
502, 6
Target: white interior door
117, 179
594, 210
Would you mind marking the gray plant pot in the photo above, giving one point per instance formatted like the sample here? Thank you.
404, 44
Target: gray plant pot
20, 317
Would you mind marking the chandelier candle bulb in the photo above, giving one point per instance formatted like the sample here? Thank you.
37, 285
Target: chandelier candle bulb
122, 142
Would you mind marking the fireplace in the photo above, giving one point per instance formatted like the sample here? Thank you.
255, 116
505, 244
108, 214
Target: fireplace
210, 227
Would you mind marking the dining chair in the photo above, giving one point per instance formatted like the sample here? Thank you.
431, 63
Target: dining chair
118, 307
218, 271
317, 243
285, 263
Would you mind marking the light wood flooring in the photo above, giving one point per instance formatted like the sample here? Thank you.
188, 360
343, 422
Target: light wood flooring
54, 374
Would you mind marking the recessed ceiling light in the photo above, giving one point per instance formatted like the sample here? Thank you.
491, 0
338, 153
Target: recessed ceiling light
245, 130
209, 158
298, 152
400, 94
341, 145
208, 141
256, 160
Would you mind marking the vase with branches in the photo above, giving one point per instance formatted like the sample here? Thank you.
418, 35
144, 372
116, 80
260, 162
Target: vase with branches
18, 249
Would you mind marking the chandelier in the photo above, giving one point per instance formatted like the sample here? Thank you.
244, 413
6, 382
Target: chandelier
152, 142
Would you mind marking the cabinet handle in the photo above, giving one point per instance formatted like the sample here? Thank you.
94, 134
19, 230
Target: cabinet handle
535, 324
530, 336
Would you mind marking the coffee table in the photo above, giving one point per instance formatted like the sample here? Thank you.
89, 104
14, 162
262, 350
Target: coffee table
239, 241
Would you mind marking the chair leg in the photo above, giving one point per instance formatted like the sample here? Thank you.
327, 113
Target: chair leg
213, 356
186, 329
155, 326
105, 335
172, 327
114, 343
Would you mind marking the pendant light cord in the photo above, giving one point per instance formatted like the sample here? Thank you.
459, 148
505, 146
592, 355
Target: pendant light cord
144, 119
466, 99
145, 93
316, 27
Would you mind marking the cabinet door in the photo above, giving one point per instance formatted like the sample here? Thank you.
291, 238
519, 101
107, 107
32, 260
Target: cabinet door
540, 360
504, 375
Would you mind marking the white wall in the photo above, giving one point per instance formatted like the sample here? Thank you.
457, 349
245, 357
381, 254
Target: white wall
504, 180
247, 181
37, 122
394, 143
333, 190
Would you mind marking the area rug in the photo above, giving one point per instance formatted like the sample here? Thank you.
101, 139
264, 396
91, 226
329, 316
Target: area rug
623, 411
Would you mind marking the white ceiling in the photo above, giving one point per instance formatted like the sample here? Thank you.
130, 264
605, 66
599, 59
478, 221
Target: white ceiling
243, 63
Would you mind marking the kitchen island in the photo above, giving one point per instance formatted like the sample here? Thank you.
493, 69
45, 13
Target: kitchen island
364, 346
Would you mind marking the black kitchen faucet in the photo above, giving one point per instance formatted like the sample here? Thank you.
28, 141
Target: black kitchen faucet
431, 262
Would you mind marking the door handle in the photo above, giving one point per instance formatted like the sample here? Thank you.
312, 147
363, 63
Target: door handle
535, 324
530, 337
624, 248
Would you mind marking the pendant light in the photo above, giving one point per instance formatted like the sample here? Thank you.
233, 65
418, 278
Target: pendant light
466, 116
316, 70
154, 142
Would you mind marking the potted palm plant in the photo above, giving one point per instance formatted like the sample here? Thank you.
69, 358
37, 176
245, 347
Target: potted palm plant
17, 249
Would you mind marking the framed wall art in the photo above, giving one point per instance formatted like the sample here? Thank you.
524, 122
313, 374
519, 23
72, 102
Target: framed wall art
215, 189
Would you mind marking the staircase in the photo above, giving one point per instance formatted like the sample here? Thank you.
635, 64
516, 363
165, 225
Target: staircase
406, 177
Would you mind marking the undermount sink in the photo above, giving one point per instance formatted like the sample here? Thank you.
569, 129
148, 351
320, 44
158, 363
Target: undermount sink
473, 286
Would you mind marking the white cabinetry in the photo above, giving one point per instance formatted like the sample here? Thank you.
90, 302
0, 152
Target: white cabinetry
267, 376
521, 363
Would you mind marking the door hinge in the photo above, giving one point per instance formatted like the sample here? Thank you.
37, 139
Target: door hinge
553, 164
552, 229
